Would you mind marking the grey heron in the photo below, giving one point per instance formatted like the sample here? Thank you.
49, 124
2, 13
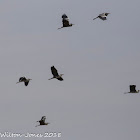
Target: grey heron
65, 21
42, 121
23, 79
133, 89
55, 74
102, 16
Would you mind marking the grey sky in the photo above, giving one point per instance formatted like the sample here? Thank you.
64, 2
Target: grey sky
99, 59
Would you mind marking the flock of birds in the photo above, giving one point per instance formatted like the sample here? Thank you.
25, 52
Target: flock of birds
65, 19
54, 73
65, 22
26, 82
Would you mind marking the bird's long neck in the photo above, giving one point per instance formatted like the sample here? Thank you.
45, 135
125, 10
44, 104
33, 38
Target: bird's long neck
96, 18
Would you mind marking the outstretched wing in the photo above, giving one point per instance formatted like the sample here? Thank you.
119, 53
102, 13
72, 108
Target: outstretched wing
54, 71
26, 83
107, 14
60, 78
22, 79
102, 15
43, 119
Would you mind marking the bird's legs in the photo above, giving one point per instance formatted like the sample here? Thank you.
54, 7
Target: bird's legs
131, 92
47, 123
126, 92
37, 125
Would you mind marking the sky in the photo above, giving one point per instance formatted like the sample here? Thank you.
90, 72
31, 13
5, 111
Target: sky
99, 60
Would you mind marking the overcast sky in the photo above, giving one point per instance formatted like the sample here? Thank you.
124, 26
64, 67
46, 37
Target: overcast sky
99, 60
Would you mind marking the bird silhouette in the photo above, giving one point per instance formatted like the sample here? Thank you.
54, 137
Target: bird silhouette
55, 74
65, 21
23, 79
132, 89
42, 121
102, 16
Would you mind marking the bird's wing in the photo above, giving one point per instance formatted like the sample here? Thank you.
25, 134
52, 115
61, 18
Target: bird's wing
22, 79
26, 83
43, 119
102, 15
65, 22
64, 16
132, 88
106, 14
60, 78
54, 71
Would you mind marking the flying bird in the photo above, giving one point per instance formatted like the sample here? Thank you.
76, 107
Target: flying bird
23, 79
55, 74
102, 16
42, 121
65, 21
132, 89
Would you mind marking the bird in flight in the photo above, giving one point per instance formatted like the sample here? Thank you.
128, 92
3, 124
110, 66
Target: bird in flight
102, 16
42, 121
55, 74
133, 89
23, 79
65, 21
